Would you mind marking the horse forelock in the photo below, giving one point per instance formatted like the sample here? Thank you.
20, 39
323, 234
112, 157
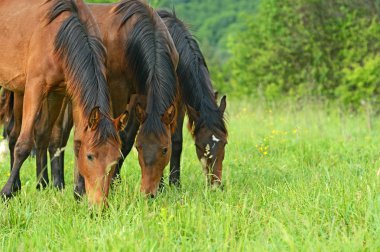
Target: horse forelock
105, 132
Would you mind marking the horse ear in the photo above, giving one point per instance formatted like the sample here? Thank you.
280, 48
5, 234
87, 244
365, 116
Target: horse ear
140, 113
193, 113
169, 115
77, 145
94, 118
223, 104
121, 121
216, 93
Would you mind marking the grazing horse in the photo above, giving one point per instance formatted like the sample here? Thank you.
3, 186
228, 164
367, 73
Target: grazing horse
207, 124
133, 30
50, 48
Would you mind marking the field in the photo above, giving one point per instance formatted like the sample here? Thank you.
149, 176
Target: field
298, 176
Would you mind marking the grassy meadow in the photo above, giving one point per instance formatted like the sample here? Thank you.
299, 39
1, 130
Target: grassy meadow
298, 176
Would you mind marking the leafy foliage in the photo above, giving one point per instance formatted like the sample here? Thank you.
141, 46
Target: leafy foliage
303, 47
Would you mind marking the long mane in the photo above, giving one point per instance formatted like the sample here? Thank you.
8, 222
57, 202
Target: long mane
83, 58
194, 77
147, 53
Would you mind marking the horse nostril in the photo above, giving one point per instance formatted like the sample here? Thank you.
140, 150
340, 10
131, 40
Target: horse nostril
152, 196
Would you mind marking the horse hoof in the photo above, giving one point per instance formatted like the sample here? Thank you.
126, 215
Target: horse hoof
7, 194
41, 186
77, 197
216, 186
176, 184
78, 194
59, 186
161, 188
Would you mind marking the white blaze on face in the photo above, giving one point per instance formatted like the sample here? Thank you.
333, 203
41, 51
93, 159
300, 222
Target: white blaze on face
215, 139
207, 151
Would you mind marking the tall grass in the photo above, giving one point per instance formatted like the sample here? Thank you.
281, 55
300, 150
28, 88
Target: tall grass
297, 177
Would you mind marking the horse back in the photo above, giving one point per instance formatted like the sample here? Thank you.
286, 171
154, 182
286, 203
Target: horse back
26, 43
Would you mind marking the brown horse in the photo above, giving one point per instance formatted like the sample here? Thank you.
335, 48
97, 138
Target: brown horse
132, 29
47, 49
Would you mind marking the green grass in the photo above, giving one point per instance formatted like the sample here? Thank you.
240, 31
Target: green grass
296, 178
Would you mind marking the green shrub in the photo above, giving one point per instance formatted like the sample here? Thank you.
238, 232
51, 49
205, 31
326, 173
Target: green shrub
303, 47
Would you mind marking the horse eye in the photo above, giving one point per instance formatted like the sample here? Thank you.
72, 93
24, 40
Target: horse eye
90, 157
164, 151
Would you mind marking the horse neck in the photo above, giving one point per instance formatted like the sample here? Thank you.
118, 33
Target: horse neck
87, 16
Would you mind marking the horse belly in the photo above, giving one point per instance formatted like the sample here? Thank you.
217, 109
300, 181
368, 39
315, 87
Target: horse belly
12, 61
12, 81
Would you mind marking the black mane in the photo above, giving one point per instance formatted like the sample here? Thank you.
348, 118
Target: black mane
83, 58
146, 51
193, 75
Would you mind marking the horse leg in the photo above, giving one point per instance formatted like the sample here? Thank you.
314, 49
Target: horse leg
55, 157
68, 125
127, 137
58, 141
175, 159
5, 134
49, 114
32, 102
79, 185
13, 130
41, 155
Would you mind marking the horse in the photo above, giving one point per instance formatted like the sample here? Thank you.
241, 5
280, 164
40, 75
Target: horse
50, 48
132, 29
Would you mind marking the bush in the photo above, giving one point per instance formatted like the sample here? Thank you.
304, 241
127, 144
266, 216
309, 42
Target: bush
308, 47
